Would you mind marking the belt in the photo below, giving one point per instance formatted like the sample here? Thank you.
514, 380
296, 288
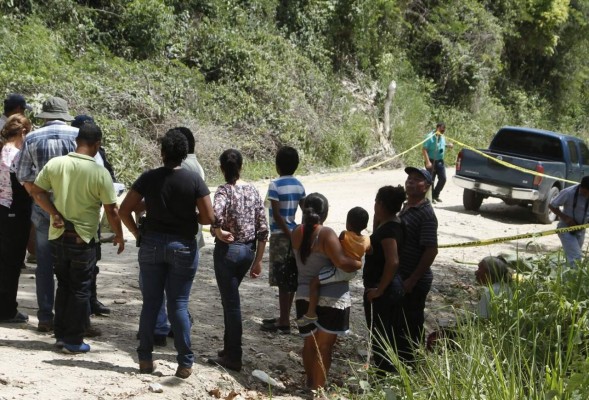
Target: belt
73, 237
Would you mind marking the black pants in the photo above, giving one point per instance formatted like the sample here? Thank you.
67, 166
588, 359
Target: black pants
438, 171
14, 234
408, 320
380, 319
74, 264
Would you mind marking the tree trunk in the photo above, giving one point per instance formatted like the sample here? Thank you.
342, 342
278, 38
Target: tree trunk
387, 109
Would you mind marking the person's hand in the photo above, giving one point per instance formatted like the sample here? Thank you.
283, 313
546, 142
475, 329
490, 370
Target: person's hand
450, 145
428, 165
120, 241
256, 269
224, 236
570, 221
58, 221
372, 294
408, 285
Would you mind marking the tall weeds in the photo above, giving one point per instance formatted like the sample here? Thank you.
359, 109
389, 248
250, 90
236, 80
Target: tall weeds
533, 346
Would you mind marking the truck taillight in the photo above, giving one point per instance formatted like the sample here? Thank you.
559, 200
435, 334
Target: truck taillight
538, 179
458, 160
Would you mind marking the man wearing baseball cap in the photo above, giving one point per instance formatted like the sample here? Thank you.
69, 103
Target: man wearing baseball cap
416, 256
13, 104
55, 138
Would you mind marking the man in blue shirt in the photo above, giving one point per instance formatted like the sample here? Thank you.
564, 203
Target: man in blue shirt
55, 138
433, 150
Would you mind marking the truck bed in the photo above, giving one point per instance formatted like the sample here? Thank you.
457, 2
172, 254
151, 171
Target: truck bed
480, 168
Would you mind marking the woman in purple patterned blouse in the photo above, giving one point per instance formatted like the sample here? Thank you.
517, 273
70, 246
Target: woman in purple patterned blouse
240, 224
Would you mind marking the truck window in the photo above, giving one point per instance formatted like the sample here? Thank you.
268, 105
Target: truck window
584, 153
573, 152
527, 144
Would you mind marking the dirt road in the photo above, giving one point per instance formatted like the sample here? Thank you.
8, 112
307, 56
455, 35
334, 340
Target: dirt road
31, 368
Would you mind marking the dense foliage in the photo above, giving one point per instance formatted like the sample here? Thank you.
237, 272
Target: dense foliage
310, 73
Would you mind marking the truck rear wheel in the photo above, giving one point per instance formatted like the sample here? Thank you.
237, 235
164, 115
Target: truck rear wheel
547, 216
472, 200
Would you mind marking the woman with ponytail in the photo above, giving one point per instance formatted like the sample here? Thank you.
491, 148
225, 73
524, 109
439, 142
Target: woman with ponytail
15, 218
315, 247
241, 232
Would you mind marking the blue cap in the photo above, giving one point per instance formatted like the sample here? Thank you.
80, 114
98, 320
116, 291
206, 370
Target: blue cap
81, 120
422, 171
15, 100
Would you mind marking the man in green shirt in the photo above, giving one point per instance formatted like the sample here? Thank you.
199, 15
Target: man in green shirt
79, 186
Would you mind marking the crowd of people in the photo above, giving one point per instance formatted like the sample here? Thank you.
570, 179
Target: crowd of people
56, 179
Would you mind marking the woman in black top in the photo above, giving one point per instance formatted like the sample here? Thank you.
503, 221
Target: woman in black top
168, 253
382, 284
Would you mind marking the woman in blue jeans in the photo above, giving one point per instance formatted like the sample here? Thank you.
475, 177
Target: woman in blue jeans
168, 253
241, 232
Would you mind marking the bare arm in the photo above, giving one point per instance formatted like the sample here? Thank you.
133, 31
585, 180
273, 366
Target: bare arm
426, 160
131, 202
427, 259
262, 231
563, 217
391, 264
256, 269
278, 218
206, 215
112, 215
332, 247
28, 187
425, 155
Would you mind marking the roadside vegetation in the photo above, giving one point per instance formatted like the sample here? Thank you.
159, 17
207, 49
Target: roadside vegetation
313, 74
533, 346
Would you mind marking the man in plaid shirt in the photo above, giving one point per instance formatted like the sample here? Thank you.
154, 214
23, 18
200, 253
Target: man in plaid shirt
55, 138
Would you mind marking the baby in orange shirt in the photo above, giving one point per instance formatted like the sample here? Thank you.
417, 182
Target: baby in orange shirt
355, 245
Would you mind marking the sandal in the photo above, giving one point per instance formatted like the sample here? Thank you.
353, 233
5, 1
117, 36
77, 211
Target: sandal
276, 328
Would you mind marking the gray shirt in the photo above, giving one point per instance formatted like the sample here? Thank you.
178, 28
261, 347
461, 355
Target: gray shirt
192, 164
336, 294
566, 200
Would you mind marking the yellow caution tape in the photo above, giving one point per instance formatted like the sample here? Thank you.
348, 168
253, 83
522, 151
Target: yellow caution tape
329, 178
395, 156
515, 237
509, 165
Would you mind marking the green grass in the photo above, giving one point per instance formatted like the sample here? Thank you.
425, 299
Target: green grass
534, 346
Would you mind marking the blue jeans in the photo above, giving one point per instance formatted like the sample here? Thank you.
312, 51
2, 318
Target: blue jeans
572, 244
162, 326
74, 263
44, 271
232, 261
438, 171
166, 262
